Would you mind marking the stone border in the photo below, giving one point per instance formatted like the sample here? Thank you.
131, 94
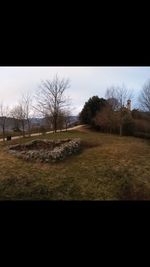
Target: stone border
54, 150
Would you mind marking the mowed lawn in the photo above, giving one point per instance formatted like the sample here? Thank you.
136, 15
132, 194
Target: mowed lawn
108, 167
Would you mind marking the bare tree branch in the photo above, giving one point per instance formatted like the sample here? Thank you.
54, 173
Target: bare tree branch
144, 98
4, 113
51, 99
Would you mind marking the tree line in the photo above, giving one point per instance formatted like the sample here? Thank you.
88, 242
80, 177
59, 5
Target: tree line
113, 114
49, 102
109, 114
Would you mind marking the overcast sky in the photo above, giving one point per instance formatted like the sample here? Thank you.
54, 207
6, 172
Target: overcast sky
85, 81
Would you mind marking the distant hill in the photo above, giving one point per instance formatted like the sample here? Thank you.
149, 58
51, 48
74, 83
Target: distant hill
42, 121
73, 119
9, 124
35, 122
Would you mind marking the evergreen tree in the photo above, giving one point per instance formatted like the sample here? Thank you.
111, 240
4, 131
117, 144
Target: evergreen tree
91, 107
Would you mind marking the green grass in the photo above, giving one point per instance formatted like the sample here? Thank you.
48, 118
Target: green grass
109, 167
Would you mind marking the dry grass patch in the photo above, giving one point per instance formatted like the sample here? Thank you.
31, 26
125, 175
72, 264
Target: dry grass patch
109, 167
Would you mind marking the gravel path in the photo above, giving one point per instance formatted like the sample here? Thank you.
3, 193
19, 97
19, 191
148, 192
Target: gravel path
38, 134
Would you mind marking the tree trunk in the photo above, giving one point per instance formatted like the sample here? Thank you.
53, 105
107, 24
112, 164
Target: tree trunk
120, 129
3, 133
66, 127
29, 128
4, 121
23, 132
55, 124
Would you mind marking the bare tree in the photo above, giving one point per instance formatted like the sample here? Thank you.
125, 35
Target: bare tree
144, 97
22, 112
18, 114
111, 96
64, 119
117, 97
4, 113
107, 120
51, 99
67, 118
26, 103
61, 120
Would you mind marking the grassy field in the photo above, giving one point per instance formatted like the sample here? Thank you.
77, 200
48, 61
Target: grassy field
109, 167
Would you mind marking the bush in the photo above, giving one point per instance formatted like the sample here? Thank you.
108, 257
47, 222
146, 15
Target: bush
142, 135
142, 126
128, 128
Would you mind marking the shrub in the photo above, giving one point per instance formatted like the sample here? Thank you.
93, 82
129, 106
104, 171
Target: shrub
142, 126
142, 135
128, 124
128, 128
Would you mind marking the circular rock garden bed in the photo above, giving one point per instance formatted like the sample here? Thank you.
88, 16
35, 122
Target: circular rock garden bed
46, 150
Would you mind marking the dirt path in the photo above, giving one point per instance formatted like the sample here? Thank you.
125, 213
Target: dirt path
79, 127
